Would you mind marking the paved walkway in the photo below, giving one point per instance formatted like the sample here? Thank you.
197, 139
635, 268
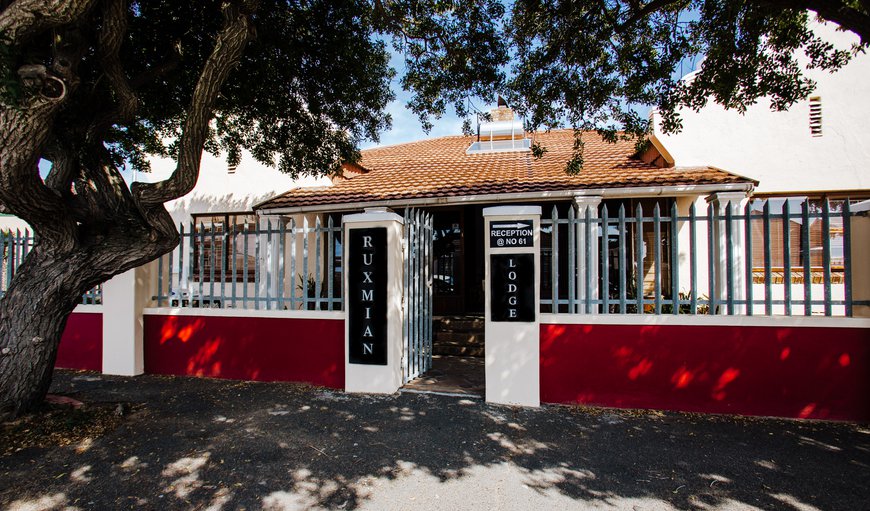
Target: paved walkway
211, 444
452, 375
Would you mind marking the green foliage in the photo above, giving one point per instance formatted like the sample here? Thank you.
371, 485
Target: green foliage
454, 51
591, 64
315, 82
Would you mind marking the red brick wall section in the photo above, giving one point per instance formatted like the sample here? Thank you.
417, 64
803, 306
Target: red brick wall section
246, 348
81, 345
821, 373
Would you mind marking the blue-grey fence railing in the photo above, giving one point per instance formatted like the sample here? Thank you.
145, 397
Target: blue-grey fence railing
269, 265
747, 264
15, 246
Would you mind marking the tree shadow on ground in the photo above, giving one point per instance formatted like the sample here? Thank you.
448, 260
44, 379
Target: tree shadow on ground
215, 444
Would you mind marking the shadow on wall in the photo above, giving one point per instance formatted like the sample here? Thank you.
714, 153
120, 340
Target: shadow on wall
816, 373
259, 349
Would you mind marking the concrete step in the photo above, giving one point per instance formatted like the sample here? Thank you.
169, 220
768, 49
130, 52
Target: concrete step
458, 324
458, 337
455, 350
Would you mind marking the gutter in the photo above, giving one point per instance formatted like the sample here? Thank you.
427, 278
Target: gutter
608, 193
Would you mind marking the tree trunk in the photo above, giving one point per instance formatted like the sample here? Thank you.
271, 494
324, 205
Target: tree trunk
91, 227
33, 315
46, 289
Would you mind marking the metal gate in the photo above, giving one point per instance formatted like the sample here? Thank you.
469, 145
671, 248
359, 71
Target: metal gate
417, 294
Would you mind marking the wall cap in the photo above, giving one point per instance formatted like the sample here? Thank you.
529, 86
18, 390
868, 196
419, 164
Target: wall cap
243, 313
705, 320
88, 309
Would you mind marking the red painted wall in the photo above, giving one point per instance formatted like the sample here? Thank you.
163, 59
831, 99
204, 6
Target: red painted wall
263, 349
81, 345
774, 371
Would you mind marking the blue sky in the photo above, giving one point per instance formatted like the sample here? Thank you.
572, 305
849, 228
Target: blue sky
406, 126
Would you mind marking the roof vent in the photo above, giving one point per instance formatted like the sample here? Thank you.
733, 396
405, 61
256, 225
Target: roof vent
816, 116
503, 134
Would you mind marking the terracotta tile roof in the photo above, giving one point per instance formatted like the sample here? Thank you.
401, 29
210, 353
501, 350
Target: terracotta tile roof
440, 168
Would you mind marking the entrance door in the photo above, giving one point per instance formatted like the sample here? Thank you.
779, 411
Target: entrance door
448, 262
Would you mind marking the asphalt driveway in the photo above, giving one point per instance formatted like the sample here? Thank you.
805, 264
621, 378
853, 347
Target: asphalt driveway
192, 443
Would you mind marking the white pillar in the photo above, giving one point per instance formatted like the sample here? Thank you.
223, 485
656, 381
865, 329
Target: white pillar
736, 248
512, 311
362, 375
860, 262
125, 296
591, 202
272, 258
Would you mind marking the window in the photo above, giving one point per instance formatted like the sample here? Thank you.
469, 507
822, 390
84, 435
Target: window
647, 249
221, 247
796, 238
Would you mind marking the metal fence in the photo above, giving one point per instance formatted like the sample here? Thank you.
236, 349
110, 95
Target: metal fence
15, 247
268, 265
725, 260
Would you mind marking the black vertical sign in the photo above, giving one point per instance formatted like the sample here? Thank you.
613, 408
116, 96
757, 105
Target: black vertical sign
367, 296
512, 283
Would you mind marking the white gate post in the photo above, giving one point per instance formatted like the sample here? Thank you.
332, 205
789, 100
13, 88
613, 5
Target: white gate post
373, 271
513, 287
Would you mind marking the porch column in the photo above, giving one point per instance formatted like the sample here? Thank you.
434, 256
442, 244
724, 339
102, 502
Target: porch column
125, 296
591, 265
512, 310
373, 301
860, 230
725, 248
272, 259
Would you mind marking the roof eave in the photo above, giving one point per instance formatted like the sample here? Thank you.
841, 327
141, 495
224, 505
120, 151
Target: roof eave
622, 192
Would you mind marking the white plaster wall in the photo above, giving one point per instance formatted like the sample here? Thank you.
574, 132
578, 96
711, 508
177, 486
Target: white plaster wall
218, 191
776, 148
12, 223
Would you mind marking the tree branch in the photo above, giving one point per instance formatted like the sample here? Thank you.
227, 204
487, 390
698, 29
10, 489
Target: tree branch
225, 56
112, 35
103, 192
155, 72
849, 18
63, 166
646, 10
24, 130
25, 18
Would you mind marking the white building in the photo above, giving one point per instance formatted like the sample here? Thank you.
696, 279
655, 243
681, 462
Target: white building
220, 190
817, 150
818, 147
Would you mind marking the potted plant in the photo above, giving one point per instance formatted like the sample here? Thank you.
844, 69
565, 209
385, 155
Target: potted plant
311, 291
